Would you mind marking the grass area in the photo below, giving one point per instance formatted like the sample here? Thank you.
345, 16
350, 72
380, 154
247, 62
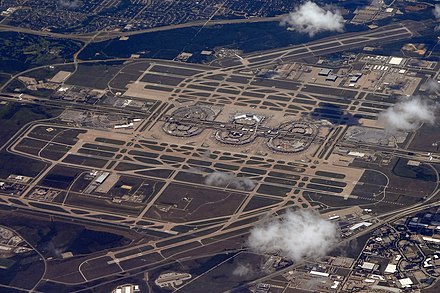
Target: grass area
14, 116
4, 78
95, 75
421, 172
14, 164
48, 236
19, 52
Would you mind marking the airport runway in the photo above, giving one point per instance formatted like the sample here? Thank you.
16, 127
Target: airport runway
345, 42
224, 84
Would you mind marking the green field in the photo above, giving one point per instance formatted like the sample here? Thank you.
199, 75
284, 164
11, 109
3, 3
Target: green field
20, 52
14, 116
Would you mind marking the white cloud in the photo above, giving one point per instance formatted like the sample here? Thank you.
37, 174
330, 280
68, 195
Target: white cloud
297, 235
69, 3
432, 86
437, 11
311, 19
243, 270
222, 179
55, 250
408, 114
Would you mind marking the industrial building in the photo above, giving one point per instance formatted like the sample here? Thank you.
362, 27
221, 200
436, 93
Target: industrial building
325, 72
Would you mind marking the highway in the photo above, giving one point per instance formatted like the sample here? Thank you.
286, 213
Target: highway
103, 35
